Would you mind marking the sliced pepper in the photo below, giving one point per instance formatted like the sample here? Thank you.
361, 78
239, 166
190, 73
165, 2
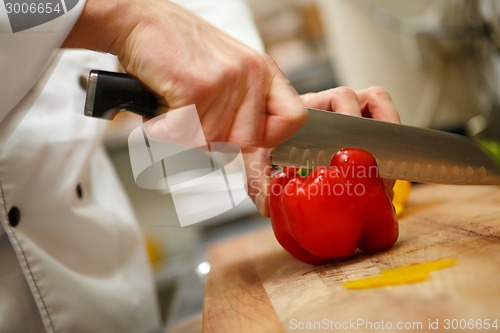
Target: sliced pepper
400, 275
402, 189
334, 210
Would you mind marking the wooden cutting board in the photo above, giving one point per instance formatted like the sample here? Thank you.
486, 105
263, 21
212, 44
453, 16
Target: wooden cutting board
254, 286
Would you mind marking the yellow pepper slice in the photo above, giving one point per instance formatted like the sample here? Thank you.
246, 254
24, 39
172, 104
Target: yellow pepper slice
400, 275
402, 190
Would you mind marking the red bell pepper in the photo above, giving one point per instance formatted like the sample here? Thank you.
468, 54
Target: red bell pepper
334, 210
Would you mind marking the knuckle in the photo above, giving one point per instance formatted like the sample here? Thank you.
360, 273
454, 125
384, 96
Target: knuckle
231, 72
246, 139
379, 92
256, 64
198, 87
219, 77
346, 92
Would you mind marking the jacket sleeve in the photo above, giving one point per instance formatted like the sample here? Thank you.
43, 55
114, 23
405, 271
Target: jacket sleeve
25, 56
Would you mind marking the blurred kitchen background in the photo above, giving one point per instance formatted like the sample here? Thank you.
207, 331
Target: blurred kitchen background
439, 59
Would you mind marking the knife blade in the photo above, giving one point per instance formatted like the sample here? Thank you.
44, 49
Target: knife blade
402, 151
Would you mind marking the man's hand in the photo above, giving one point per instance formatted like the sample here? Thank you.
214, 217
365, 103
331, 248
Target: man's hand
373, 102
241, 95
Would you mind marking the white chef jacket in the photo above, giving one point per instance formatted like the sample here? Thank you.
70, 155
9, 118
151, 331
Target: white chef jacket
71, 253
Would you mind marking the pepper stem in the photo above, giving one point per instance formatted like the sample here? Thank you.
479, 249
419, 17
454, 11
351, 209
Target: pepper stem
304, 172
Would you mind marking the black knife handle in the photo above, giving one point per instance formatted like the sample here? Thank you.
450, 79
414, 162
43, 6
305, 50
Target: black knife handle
109, 92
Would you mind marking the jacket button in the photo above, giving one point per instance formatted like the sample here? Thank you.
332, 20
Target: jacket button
14, 216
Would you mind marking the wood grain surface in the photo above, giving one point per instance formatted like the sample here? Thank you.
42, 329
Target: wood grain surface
255, 286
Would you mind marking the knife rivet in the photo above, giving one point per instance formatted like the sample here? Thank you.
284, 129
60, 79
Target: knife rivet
482, 173
389, 167
442, 172
455, 171
293, 156
417, 168
469, 174
14, 216
403, 168
307, 160
322, 158
430, 171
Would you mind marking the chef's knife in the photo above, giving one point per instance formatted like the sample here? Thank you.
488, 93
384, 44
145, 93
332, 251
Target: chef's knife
402, 152
109, 93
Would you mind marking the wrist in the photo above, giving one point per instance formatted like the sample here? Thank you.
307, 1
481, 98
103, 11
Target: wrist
103, 25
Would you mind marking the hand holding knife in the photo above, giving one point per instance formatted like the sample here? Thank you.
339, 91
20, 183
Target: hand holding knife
402, 152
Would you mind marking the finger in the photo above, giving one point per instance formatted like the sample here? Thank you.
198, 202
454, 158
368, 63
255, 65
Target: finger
248, 124
340, 100
219, 105
319, 100
258, 173
219, 116
261, 198
285, 112
375, 102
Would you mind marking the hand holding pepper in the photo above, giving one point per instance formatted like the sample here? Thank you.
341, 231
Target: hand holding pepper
373, 102
336, 209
